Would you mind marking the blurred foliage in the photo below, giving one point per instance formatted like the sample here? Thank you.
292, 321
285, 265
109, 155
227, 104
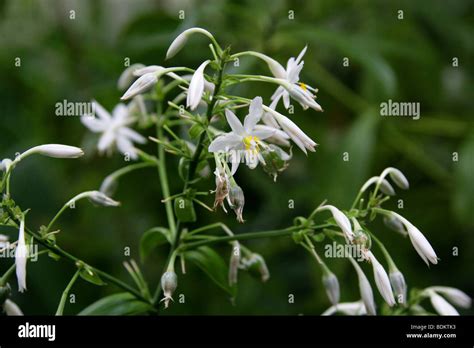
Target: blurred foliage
407, 59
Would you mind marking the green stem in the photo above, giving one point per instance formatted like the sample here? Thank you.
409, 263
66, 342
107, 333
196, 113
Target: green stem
62, 302
7, 275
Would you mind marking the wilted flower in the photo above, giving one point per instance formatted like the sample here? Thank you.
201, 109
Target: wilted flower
381, 280
169, 283
255, 263
114, 129
243, 138
236, 200
196, 87
21, 256
222, 188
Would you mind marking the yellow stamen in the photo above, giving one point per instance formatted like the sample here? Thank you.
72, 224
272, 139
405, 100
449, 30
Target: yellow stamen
248, 143
303, 85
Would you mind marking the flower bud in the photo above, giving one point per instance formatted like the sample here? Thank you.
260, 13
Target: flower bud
398, 178
169, 283
394, 224
5, 165
386, 188
142, 84
332, 287
442, 306
236, 201
399, 286
53, 150
102, 199
128, 76
11, 308
182, 39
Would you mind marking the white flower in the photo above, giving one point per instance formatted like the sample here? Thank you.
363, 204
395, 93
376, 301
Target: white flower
182, 39
294, 132
196, 87
291, 86
341, 220
11, 308
114, 129
419, 241
365, 289
442, 306
347, 308
331, 284
21, 256
399, 285
381, 280
397, 176
51, 150
455, 296
243, 139
142, 84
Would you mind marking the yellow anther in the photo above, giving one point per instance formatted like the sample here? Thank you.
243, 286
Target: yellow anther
251, 143
303, 86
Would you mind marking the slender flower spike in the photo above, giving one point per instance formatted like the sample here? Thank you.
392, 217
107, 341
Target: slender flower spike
341, 220
244, 140
169, 283
365, 289
21, 256
419, 241
182, 39
455, 296
196, 87
381, 280
11, 308
332, 287
114, 130
442, 306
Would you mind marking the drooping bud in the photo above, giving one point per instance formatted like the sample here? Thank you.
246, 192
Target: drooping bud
394, 224
5, 165
236, 201
127, 76
142, 84
331, 285
102, 199
399, 286
398, 178
169, 283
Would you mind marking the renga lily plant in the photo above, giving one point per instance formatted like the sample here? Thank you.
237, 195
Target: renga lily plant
198, 120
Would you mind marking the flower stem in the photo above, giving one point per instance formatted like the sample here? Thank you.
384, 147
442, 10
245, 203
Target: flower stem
62, 302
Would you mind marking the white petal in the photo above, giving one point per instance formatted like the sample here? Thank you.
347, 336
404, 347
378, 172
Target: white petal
382, 280
235, 159
125, 146
234, 122
128, 75
132, 135
141, 85
455, 296
99, 110
442, 306
106, 140
119, 113
21, 256
94, 124
11, 308
225, 142
255, 113
196, 87
302, 53
263, 133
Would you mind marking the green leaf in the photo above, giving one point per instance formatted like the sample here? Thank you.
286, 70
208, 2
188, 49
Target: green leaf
151, 239
89, 275
463, 198
184, 209
213, 265
117, 304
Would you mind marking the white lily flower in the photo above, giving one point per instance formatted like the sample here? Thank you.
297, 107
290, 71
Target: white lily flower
11, 308
21, 256
381, 280
243, 139
182, 39
455, 296
114, 129
442, 306
347, 308
365, 289
294, 132
341, 220
196, 87
419, 241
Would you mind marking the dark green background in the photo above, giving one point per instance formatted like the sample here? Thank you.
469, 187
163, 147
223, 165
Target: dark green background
404, 60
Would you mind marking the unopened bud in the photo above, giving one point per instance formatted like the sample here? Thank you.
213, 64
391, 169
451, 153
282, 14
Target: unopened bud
394, 224
102, 199
399, 286
398, 178
169, 283
332, 287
